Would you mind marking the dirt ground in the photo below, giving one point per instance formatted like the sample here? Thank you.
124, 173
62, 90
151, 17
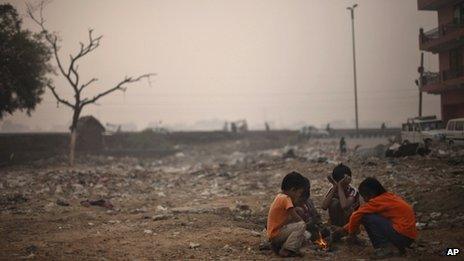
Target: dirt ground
208, 201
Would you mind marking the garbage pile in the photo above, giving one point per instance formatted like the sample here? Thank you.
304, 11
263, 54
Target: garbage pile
225, 187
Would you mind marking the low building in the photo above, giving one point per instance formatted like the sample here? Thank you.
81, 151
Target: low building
89, 134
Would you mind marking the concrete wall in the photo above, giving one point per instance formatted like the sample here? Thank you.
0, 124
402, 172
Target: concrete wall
32, 146
366, 132
446, 14
452, 101
27, 147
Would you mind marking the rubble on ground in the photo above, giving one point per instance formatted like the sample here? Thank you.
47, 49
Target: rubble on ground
222, 190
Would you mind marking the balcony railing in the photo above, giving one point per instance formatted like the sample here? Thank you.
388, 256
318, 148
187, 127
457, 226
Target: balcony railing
440, 31
430, 78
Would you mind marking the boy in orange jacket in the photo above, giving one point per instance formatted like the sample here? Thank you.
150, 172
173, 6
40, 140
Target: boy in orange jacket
387, 218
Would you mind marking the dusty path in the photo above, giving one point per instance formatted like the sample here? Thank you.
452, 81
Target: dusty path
208, 202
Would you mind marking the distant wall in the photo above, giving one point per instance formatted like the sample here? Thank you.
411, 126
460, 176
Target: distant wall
25, 147
20, 147
365, 132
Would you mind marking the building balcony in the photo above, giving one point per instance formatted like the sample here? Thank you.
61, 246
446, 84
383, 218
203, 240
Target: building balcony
433, 4
442, 38
436, 83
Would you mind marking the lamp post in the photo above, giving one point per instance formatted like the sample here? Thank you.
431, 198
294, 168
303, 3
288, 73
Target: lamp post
351, 9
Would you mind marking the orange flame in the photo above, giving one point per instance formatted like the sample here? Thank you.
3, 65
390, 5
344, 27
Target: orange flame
321, 242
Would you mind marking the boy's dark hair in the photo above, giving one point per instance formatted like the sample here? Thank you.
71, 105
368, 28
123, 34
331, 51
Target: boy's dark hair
339, 172
294, 180
371, 187
307, 191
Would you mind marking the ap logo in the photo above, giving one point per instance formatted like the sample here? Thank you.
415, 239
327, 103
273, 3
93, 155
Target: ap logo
452, 252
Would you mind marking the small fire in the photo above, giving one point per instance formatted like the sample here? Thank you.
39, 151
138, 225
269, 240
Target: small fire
321, 242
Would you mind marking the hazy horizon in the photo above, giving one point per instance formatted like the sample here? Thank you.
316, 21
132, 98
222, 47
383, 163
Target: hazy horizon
284, 62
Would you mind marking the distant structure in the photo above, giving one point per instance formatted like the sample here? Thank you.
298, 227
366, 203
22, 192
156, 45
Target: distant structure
239, 126
113, 127
266, 126
89, 134
447, 41
383, 126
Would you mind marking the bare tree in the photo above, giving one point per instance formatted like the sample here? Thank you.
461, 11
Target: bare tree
71, 73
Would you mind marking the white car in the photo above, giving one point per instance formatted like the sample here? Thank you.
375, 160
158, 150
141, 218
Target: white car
313, 132
422, 129
455, 131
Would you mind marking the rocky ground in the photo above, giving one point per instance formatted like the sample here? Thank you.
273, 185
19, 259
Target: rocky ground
208, 201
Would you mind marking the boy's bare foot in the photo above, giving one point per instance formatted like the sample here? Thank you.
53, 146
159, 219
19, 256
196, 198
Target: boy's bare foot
287, 253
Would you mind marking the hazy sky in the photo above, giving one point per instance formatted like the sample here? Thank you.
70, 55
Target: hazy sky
284, 61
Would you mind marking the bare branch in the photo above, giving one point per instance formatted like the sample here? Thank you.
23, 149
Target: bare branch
92, 45
31, 10
40, 21
57, 59
71, 74
84, 50
58, 98
87, 84
120, 86
73, 70
51, 38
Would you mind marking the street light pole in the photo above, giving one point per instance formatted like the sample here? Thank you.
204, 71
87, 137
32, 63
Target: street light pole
421, 77
351, 9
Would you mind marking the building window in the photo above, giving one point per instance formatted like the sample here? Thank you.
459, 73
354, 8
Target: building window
455, 58
459, 14
459, 125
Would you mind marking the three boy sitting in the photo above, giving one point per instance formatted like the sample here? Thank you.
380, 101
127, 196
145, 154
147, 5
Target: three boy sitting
388, 220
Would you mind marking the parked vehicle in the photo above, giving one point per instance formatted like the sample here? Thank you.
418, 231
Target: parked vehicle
454, 133
313, 132
423, 129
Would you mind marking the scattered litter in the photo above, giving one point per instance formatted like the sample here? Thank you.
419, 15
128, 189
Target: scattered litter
161, 217
435, 215
194, 245
62, 202
101, 203
182, 193
420, 225
161, 208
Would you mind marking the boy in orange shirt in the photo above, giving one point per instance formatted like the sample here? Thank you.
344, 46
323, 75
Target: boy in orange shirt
285, 228
387, 218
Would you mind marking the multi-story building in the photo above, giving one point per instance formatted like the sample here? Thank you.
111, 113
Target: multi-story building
447, 40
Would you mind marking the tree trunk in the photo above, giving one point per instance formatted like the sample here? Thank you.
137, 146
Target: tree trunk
73, 128
72, 147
